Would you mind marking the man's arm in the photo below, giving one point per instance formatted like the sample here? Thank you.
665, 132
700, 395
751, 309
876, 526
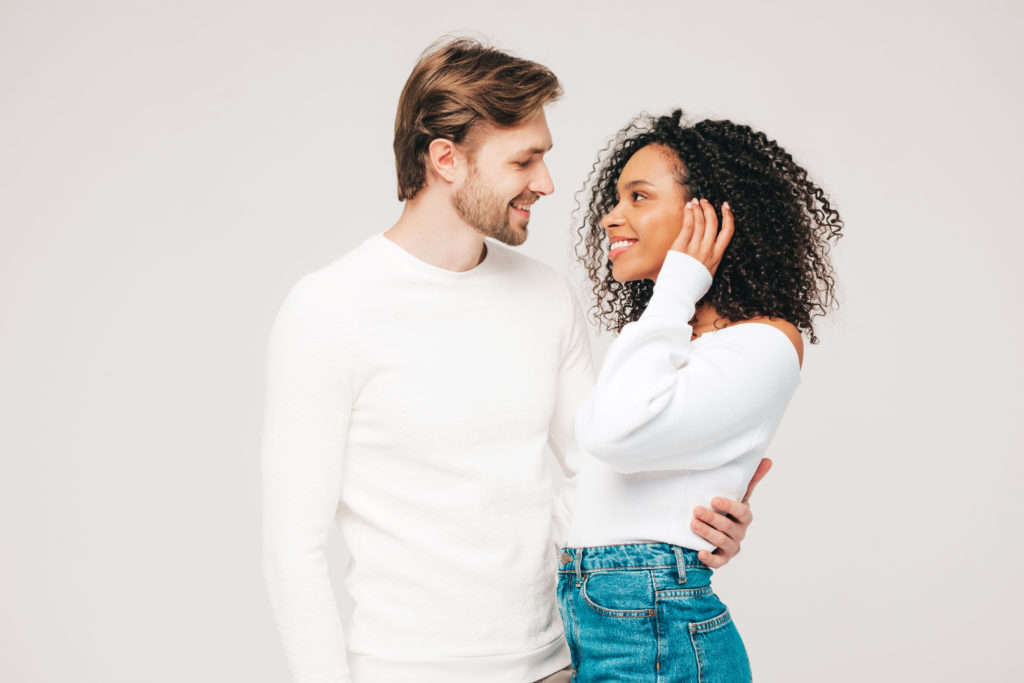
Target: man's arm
727, 524
575, 380
308, 403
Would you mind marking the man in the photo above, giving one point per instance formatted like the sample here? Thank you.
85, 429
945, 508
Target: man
412, 387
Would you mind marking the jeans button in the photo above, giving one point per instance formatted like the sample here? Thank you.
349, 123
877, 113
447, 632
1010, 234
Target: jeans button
566, 558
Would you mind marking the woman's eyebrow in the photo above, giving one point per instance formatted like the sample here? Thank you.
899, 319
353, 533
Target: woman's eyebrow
634, 183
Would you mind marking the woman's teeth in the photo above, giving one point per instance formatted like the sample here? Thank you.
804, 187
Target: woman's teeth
619, 245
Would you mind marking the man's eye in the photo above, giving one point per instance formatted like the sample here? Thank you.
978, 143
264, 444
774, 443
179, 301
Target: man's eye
522, 164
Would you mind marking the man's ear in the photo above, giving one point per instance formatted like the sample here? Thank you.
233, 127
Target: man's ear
444, 156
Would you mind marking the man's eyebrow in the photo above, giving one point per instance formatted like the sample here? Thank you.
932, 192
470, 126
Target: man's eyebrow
534, 150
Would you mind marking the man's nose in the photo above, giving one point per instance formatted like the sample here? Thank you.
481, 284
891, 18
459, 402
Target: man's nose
542, 183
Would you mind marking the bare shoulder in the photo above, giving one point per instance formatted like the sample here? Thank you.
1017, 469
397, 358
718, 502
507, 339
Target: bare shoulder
788, 328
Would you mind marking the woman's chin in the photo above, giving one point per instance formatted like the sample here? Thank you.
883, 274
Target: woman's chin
623, 274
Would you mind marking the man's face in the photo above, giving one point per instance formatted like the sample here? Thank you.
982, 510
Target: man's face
506, 175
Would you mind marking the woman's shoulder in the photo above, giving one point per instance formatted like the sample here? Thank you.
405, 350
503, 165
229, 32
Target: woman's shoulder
786, 327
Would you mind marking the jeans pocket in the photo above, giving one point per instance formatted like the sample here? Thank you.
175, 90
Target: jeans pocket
721, 656
625, 594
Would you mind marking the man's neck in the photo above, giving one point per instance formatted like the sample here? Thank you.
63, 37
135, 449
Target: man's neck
430, 230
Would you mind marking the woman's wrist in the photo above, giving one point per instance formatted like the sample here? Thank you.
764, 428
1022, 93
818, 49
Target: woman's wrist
682, 281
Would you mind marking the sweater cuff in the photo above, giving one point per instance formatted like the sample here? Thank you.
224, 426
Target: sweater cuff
683, 280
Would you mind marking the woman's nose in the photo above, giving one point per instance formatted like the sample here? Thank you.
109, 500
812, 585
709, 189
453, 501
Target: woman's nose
612, 219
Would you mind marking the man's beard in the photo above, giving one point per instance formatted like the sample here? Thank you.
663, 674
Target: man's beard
480, 208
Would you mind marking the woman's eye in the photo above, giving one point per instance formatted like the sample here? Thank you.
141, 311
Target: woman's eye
638, 196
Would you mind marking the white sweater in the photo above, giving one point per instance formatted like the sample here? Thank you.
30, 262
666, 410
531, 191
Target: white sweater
672, 423
414, 406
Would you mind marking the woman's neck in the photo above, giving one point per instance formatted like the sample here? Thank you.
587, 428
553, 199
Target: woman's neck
707, 319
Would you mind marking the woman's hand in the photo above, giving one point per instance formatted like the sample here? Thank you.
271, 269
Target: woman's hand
728, 526
700, 236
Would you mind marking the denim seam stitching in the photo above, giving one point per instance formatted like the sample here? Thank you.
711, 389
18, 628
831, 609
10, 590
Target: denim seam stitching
657, 631
576, 636
618, 614
697, 652
710, 624
641, 566
689, 592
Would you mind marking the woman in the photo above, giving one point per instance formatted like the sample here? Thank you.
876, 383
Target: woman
692, 391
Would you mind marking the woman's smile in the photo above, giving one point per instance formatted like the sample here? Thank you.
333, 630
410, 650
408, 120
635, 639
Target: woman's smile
619, 246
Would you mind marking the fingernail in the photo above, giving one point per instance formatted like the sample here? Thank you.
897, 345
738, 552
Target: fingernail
725, 205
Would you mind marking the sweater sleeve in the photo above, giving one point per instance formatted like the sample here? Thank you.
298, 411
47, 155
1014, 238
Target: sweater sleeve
575, 379
659, 404
307, 408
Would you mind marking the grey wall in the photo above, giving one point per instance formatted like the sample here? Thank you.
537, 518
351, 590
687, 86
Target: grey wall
168, 169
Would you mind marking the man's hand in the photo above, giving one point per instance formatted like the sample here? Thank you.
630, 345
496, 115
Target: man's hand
728, 526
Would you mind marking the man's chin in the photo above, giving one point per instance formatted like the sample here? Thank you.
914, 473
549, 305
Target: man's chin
512, 236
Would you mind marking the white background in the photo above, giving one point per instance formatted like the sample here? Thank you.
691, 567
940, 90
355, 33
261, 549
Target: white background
168, 169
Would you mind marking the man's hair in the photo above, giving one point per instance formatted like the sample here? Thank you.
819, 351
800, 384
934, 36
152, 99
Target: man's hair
456, 84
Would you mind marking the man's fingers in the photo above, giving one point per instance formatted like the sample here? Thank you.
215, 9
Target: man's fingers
712, 560
724, 524
762, 469
713, 536
734, 508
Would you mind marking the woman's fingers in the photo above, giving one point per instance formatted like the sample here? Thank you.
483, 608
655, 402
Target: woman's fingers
698, 230
700, 236
724, 235
683, 239
710, 229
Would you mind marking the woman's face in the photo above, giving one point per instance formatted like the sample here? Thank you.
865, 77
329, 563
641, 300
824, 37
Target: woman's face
649, 215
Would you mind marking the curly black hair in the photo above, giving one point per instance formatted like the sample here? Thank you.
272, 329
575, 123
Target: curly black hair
777, 263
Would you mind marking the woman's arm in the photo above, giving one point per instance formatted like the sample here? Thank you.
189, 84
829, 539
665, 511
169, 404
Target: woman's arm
657, 404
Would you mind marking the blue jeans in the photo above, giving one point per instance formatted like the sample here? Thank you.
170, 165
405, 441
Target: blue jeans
646, 613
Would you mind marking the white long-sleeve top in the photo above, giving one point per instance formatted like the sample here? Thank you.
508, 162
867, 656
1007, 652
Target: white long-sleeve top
417, 407
672, 423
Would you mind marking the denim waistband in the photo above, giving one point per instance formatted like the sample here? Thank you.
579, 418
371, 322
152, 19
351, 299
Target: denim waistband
629, 556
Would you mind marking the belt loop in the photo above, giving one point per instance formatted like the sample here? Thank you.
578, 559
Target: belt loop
680, 563
579, 567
